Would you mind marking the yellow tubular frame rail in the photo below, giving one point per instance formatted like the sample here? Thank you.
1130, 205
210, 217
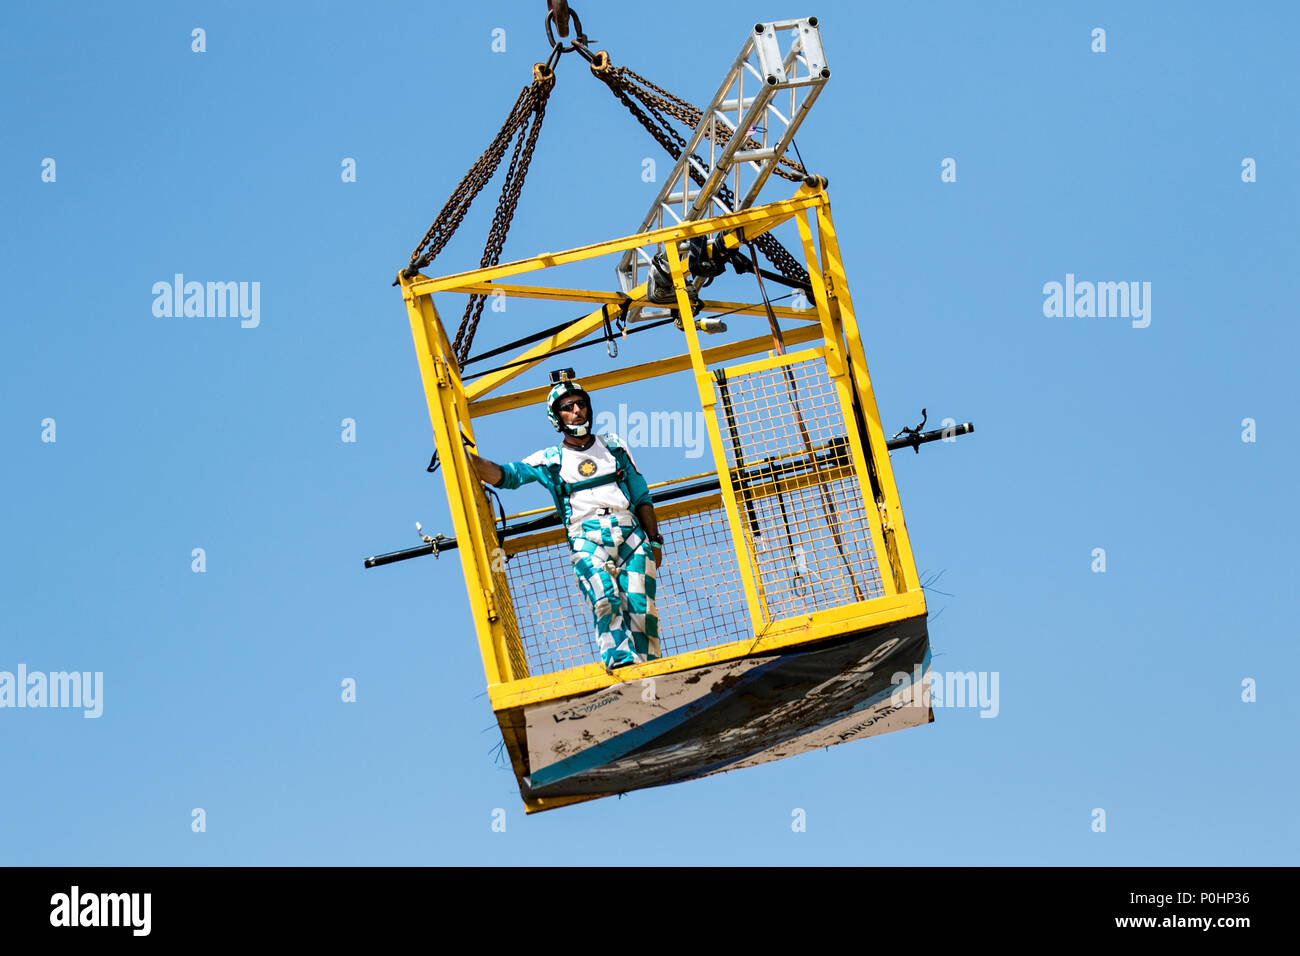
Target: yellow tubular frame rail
829, 334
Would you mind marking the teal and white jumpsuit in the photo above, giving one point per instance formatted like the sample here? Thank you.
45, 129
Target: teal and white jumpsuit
596, 492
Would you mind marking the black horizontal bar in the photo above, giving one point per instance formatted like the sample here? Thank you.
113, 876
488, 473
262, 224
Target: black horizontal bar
751, 476
446, 544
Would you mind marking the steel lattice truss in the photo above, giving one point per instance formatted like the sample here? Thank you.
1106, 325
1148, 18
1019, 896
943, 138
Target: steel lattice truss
766, 94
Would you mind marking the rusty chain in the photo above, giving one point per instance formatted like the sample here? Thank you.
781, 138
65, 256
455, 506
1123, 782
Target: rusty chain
529, 110
510, 191
689, 115
453, 211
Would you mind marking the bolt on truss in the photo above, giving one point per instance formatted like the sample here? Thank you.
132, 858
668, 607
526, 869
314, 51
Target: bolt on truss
768, 91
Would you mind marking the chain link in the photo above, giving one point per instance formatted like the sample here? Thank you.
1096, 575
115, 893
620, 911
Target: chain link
529, 108
689, 115
453, 212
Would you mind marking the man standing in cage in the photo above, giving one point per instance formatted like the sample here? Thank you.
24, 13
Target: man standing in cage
604, 503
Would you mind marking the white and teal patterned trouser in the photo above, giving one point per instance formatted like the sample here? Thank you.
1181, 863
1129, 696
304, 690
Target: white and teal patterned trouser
615, 567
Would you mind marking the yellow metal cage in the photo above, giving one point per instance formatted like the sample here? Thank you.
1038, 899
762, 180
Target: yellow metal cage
791, 593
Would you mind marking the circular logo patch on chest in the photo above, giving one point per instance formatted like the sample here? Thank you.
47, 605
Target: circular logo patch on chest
586, 467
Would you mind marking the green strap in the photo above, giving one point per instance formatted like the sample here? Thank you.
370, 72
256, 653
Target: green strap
565, 490
568, 489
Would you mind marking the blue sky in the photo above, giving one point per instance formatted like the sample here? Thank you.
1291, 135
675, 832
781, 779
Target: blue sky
1119, 690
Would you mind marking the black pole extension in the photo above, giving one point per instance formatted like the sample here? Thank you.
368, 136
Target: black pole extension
917, 439
446, 544
835, 453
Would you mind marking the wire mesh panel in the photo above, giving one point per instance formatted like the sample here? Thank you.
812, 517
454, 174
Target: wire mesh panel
699, 598
798, 495
553, 617
514, 646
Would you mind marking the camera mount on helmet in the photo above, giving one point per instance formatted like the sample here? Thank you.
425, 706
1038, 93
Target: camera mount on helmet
563, 386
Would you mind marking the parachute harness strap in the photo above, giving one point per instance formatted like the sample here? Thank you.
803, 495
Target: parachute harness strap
567, 489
